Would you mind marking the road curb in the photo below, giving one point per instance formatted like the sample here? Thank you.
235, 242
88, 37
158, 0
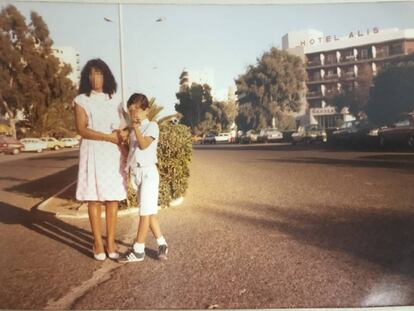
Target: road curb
82, 211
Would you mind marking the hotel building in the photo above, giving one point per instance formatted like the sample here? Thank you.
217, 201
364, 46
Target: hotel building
331, 60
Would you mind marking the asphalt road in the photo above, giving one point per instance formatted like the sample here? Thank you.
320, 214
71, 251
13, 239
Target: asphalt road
262, 226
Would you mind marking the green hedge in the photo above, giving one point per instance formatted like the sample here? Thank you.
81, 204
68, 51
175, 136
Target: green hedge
174, 157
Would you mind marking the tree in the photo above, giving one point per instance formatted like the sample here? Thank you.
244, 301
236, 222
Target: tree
392, 94
354, 94
274, 84
32, 78
200, 112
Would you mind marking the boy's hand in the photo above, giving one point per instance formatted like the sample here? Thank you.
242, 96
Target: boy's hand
124, 134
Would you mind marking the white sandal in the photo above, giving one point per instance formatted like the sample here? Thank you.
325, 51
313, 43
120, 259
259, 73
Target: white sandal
114, 255
99, 256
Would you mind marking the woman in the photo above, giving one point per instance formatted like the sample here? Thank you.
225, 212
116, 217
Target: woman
101, 177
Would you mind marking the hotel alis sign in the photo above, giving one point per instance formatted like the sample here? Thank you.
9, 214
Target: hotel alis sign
333, 38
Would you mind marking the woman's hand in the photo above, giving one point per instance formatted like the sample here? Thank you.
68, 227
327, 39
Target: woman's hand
114, 138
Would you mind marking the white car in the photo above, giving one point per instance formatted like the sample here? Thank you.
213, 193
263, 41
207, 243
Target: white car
223, 137
70, 142
33, 144
270, 134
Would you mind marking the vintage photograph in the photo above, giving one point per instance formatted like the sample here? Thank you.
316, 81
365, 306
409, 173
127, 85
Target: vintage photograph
206, 155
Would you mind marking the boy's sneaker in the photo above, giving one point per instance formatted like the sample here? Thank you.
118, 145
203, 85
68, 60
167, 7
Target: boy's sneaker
162, 252
132, 256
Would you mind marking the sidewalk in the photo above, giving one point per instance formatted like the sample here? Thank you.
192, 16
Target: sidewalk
63, 205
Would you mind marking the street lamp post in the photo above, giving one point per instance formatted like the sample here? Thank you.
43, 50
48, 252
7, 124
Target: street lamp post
121, 51
121, 48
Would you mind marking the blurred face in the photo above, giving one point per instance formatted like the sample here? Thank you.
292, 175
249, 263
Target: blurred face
96, 79
137, 113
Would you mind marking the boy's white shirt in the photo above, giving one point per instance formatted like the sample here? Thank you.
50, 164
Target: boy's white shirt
147, 156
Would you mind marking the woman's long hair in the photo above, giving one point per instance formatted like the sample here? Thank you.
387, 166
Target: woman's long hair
109, 83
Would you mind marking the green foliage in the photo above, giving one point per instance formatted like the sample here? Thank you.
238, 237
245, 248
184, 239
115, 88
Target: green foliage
201, 113
274, 84
355, 96
284, 121
174, 157
57, 121
31, 77
392, 94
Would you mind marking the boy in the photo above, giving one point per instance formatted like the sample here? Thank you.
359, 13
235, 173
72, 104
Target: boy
142, 159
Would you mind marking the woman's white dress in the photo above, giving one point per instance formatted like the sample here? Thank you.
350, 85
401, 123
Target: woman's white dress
101, 175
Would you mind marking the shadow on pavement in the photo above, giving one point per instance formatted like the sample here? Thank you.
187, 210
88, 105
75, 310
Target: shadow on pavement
404, 163
48, 225
380, 236
47, 186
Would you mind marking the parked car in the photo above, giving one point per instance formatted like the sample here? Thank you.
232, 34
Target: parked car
223, 138
53, 143
9, 145
33, 144
197, 139
401, 132
309, 133
209, 139
269, 135
249, 137
357, 132
70, 142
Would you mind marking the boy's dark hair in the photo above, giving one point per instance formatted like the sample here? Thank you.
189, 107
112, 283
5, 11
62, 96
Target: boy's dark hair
109, 83
140, 99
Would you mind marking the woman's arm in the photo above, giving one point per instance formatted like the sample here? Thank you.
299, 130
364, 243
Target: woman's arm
142, 141
81, 121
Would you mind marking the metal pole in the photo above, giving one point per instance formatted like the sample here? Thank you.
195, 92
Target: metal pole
121, 51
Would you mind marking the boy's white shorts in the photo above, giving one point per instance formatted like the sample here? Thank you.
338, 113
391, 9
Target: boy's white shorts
147, 179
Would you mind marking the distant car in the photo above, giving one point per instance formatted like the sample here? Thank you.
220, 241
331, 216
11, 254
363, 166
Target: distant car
223, 138
399, 133
309, 134
70, 142
196, 139
249, 137
269, 135
209, 139
9, 145
357, 132
33, 144
52, 143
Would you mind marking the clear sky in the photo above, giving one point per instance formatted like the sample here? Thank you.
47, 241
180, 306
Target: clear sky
224, 38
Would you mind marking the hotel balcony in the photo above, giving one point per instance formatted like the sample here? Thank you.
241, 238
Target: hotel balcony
313, 95
349, 75
331, 77
314, 63
331, 92
326, 79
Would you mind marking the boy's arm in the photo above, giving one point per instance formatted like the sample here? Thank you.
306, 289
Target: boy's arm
143, 142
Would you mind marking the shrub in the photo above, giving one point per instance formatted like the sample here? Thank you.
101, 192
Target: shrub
174, 157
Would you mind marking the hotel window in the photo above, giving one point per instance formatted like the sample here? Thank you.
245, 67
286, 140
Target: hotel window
364, 53
349, 55
383, 51
331, 73
396, 48
316, 76
331, 59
